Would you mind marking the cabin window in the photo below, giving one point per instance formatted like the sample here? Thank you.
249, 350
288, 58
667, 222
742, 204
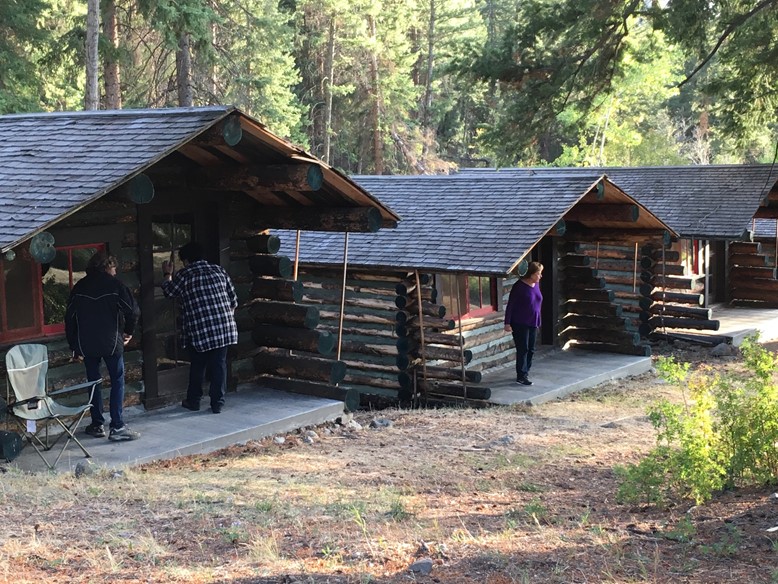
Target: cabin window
20, 310
477, 295
57, 279
34, 296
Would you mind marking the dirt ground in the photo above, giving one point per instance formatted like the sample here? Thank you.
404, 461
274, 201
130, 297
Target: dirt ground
452, 496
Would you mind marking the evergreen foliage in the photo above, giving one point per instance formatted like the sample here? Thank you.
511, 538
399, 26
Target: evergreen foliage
20, 35
559, 58
422, 86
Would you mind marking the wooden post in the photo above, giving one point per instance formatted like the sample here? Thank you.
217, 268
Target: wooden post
461, 345
664, 282
706, 260
635, 270
296, 255
421, 332
343, 294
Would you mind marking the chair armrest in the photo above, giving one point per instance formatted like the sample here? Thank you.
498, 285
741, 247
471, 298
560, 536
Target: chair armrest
24, 402
72, 388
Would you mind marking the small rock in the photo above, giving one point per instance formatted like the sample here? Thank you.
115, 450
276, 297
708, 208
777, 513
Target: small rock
308, 439
354, 425
381, 423
279, 440
84, 468
344, 419
722, 350
117, 474
614, 425
311, 434
423, 567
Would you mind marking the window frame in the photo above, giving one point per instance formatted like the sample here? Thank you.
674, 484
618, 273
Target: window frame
39, 329
59, 328
9, 336
464, 283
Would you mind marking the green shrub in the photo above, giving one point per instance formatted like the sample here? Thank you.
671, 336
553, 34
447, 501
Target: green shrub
724, 435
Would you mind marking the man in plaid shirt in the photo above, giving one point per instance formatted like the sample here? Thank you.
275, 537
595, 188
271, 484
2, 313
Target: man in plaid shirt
208, 304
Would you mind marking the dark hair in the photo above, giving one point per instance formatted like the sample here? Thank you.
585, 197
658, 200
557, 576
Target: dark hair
100, 262
533, 268
191, 252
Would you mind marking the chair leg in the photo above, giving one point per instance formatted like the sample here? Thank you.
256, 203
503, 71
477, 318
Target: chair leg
32, 439
69, 430
45, 445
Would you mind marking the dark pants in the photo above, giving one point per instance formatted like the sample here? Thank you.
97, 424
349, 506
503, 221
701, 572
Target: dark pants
115, 365
524, 338
216, 362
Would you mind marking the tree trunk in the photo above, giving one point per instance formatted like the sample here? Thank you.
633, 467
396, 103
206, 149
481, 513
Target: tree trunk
91, 94
427, 104
111, 69
329, 72
184, 71
375, 103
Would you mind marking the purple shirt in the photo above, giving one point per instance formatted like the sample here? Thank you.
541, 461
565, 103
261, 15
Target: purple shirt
524, 305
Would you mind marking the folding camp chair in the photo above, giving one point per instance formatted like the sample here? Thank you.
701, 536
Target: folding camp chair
35, 409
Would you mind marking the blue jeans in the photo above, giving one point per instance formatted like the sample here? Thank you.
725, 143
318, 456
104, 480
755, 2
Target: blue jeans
524, 338
115, 365
216, 362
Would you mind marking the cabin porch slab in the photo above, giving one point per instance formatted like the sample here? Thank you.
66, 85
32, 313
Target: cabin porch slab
559, 373
251, 413
738, 322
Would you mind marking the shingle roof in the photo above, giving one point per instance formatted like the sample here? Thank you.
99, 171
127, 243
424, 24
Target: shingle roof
708, 202
52, 164
483, 225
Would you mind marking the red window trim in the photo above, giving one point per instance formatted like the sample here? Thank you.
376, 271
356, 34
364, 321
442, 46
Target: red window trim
482, 311
39, 330
37, 299
59, 328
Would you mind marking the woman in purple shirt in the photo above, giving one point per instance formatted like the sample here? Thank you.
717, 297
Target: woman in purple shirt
522, 318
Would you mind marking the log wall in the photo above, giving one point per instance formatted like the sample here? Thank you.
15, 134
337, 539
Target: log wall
601, 292
282, 341
486, 337
752, 274
679, 299
392, 327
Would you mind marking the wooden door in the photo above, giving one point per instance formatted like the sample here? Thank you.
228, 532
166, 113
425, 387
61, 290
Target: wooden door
163, 228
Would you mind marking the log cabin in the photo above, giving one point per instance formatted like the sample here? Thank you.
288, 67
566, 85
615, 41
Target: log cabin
421, 316
141, 183
726, 218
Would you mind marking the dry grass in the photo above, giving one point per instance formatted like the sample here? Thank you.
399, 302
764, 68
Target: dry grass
499, 496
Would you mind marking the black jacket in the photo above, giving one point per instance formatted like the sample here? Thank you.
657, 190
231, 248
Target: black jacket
100, 311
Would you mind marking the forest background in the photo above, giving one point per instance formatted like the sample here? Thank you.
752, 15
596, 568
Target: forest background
422, 86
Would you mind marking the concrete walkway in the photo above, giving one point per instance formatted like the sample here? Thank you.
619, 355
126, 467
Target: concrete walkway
254, 412
737, 322
557, 373
251, 413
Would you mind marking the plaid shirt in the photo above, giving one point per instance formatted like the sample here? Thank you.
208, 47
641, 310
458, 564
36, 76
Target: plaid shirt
208, 302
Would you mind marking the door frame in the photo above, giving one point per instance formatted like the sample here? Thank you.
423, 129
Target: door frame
207, 229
